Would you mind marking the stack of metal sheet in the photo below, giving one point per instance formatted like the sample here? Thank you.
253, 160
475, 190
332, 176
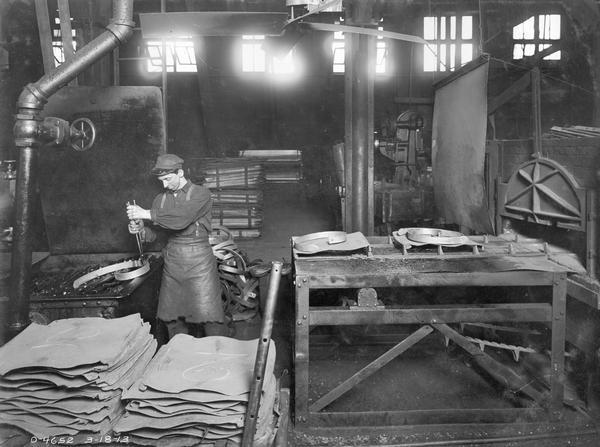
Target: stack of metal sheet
196, 390
230, 173
236, 185
238, 209
280, 165
560, 132
67, 378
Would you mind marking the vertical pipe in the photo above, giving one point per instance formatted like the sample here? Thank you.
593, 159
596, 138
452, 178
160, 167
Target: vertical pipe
349, 43
262, 352
360, 126
537, 111
20, 282
163, 8
557, 359
28, 137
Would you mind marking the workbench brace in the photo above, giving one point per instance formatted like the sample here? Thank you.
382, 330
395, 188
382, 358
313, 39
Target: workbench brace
397, 271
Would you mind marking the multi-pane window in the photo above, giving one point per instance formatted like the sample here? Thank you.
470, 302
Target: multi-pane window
179, 56
380, 64
57, 44
254, 58
535, 35
339, 53
450, 42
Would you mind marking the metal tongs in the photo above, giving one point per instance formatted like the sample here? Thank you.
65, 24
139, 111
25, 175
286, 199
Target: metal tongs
138, 238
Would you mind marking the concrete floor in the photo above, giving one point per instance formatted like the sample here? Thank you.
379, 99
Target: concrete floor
427, 376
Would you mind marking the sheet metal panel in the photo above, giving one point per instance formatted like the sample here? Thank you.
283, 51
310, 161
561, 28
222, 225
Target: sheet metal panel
83, 194
458, 150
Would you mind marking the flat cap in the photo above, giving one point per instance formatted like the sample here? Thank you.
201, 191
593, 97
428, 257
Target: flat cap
167, 163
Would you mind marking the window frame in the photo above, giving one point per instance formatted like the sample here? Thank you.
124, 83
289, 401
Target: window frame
338, 51
446, 48
174, 61
537, 42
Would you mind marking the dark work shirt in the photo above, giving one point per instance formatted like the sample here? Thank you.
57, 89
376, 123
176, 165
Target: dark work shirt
186, 217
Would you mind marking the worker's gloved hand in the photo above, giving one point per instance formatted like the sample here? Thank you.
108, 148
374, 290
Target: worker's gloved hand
135, 226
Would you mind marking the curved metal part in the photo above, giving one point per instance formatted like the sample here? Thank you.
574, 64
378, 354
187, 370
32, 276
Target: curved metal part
333, 237
436, 236
29, 107
141, 267
139, 271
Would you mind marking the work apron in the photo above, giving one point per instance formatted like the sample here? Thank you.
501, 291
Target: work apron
190, 285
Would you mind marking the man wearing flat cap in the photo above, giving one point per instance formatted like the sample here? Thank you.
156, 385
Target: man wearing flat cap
190, 291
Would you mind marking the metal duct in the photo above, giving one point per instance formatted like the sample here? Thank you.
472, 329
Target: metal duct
28, 138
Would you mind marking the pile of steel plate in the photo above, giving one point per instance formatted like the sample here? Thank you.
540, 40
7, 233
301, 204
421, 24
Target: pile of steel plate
67, 378
240, 210
230, 173
235, 184
195, 392
280, 165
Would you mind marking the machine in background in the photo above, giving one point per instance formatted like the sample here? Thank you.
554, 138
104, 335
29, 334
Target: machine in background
403, 173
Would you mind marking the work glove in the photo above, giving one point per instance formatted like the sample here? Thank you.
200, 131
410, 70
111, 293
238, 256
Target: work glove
135, 226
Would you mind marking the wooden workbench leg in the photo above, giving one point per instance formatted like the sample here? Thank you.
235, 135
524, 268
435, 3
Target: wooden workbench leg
557, 361
301, 351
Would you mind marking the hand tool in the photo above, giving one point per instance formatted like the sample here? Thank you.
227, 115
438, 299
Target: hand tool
138, 238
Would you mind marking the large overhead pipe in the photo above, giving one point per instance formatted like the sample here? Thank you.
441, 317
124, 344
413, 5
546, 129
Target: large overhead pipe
30, 134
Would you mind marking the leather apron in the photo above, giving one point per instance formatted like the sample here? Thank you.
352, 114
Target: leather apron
190, 285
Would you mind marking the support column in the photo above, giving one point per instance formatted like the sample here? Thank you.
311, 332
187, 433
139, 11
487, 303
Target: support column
359, 82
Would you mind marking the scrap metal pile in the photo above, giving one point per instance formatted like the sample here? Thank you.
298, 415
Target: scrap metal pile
239, 277
67, 378
197, 390
89, 280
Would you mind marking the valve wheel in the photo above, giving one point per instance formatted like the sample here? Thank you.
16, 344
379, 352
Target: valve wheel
83, 134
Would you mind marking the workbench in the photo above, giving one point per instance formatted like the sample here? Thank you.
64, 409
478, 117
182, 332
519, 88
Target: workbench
499, 261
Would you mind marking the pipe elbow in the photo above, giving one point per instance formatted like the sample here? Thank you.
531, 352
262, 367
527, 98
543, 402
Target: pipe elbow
121, 28
122, 24
31, 98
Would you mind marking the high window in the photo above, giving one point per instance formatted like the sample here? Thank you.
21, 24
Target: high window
180, 56
450, 42
535, 35
338, 48
57, 45
256, 60
339, 52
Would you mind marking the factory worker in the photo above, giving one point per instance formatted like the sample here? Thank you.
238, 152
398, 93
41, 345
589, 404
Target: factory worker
190, 291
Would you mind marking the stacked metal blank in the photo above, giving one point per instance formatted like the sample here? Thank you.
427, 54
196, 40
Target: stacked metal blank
196, 391
67, 378
236, 185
